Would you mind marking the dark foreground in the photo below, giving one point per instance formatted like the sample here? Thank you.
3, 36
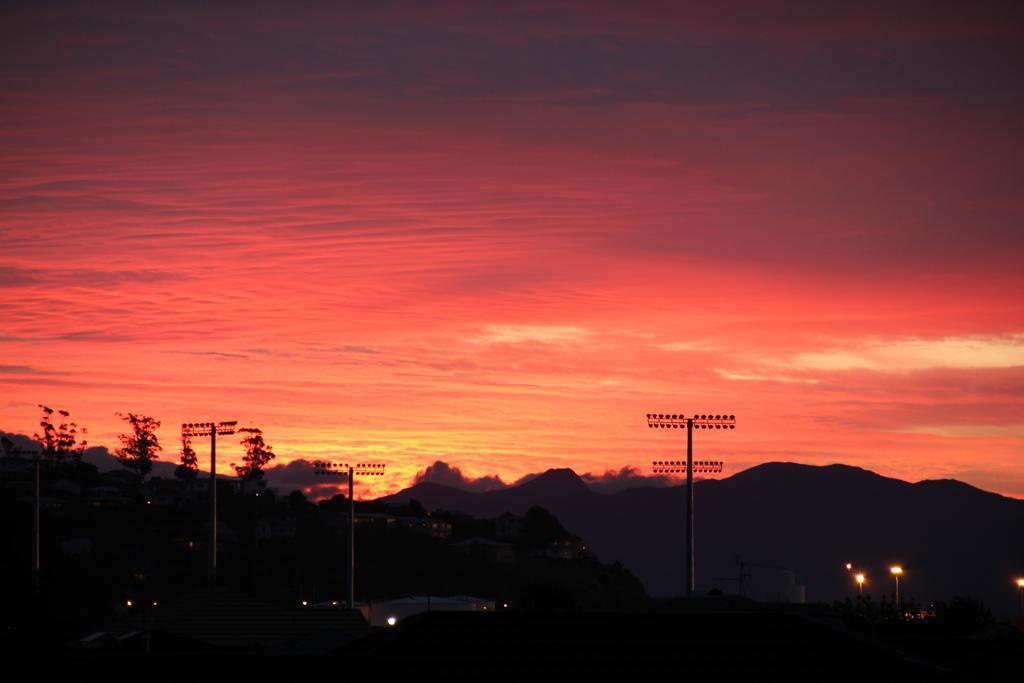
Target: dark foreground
753, 644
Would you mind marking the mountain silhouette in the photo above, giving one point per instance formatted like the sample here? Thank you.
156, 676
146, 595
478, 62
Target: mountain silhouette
951, 538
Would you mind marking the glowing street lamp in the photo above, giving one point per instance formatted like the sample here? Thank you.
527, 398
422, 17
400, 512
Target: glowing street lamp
365, 469
860, 579
661, 421
210, 429
1020, 591
897, 572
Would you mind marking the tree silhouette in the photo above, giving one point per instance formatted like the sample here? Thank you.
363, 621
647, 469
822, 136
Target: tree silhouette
140, 448
189, 466
257, 454
59, 443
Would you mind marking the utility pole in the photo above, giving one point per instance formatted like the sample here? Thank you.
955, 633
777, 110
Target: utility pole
660, 421
211, 429
365, 469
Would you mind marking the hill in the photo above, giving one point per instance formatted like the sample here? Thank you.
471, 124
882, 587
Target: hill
951, 538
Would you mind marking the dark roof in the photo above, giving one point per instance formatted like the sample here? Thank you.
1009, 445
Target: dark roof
226, 620
753, 644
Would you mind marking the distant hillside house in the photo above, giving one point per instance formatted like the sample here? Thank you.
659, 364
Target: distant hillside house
122, 479
49, 504
510, 526
66, 488
421, 525
106, 497
566, 549
254, 487
274, 527
15, 465
496, 551
434, 528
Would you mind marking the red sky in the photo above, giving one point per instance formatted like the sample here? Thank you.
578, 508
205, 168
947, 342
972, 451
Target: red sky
499, 237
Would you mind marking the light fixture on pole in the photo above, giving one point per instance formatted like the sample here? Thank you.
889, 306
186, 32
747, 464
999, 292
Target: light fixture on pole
1020, 591
675, 421
210, 429
365, 469
860, 579
897, 572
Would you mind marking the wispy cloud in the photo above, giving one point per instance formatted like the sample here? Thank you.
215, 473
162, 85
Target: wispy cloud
763, 377
917, 354
543, 334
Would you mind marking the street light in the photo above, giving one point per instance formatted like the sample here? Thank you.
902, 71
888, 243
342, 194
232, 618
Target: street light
860, 578
210, 429
1020, 590
897, 572
364, 469
675, 421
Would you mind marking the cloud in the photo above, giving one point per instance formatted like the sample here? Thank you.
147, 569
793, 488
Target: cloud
762, 377
918, 354
613, 481
443, 473
969, 431
26, 370
299, 475
688, 346
544, 334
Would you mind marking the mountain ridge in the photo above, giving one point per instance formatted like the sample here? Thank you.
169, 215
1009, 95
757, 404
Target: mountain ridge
952, 538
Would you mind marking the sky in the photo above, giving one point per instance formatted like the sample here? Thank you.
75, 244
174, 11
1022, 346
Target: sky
498, 235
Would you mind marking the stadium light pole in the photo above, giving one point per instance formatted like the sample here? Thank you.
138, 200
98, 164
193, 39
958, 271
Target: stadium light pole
897, 572
36, 504
210, 429
365, 469
661, 421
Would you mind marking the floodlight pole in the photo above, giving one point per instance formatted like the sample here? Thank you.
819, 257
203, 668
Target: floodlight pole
351, 539
211, 569
671, 467
690, 578
334, 469
211, 429
35, 526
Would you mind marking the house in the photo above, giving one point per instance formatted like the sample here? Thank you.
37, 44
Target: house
65, 488
122, 479
163, 492
496, 551
428, 526
274, 527
510, 526
565, 549
254, 487
106, 496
